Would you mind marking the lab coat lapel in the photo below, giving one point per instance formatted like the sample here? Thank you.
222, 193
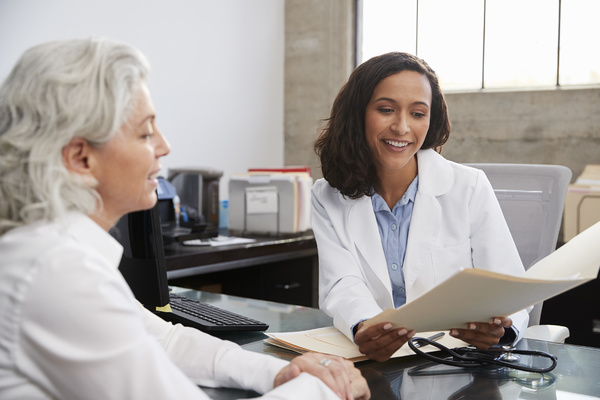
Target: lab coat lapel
424, 229
435, 179
363, 228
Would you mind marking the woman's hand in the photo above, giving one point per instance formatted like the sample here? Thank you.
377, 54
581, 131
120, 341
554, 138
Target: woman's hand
379, 342
481, 334
339, 374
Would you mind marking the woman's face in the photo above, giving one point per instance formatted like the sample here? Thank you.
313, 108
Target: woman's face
397, 120
127, 167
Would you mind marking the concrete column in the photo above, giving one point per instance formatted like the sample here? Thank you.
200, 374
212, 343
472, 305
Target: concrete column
319, 53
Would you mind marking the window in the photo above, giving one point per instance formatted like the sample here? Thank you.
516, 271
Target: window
474, 44
580, 30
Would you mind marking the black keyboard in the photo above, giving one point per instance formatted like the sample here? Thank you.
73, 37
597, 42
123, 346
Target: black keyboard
207, 317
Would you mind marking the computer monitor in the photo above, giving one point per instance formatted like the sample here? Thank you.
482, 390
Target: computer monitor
143, 263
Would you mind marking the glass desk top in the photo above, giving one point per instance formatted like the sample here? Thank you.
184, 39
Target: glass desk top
576, 376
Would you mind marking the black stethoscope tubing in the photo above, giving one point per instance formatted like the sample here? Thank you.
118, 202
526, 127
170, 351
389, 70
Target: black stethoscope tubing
471, 358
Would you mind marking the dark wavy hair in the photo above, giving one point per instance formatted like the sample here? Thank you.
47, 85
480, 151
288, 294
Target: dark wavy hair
346, 160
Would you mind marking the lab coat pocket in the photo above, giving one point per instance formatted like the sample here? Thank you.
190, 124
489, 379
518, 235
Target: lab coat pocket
449, 260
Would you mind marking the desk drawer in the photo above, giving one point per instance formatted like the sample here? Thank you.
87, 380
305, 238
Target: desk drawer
290, 282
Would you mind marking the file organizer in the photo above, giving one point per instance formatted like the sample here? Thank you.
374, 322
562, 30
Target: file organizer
269, 203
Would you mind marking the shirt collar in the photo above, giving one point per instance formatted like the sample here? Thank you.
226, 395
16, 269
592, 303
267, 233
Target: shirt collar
84, 230
380, 205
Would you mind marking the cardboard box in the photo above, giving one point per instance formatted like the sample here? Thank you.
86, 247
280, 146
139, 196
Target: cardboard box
582, 204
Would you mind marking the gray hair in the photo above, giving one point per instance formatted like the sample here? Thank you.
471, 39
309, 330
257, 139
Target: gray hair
58, 91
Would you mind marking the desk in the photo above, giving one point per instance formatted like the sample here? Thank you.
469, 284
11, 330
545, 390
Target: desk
576, 376
282, 269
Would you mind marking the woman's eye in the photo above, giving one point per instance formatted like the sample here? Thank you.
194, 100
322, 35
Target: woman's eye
147, 135
386, 110
419, 114
148, 131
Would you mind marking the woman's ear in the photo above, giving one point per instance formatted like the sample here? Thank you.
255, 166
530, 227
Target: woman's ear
75, 156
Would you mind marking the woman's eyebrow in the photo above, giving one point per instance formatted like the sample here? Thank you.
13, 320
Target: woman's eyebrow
149, 117
424, 103
385, 99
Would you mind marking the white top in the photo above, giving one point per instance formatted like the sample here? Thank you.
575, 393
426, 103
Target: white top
70, 328
456, 223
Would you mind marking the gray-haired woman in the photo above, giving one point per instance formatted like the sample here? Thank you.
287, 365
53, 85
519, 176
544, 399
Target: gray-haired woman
79, 148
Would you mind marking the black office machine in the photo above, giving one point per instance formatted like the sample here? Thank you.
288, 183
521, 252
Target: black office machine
189, 204
143, 267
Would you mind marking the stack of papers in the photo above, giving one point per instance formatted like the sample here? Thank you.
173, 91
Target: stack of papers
331, 341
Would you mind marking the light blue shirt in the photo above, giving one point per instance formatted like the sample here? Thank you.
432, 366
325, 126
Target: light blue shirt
393, 229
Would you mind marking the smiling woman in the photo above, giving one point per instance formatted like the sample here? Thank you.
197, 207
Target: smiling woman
396, 124
346, 161
392, 218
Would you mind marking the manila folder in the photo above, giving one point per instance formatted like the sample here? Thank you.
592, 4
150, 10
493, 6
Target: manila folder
476, 295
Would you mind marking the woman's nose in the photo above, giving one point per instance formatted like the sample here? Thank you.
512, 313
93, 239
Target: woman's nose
162, 146
400, 125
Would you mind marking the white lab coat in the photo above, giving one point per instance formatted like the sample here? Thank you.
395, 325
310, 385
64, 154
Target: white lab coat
456, 223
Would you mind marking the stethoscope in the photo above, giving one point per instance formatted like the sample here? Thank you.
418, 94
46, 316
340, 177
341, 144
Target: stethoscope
469, 357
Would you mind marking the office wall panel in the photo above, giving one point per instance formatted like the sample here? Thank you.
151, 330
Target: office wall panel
217, 79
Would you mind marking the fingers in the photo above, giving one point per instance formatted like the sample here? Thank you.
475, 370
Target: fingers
334, 371
505, 322
483, 335
340, 372
379, 342
358, 389
286, 374
359, 385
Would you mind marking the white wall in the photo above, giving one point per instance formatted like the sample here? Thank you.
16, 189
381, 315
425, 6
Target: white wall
217, 68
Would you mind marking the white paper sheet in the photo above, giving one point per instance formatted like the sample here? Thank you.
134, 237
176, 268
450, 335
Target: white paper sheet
475, 295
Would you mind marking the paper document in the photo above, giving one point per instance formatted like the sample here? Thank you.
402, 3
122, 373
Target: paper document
218, 241
329, 340
476, 295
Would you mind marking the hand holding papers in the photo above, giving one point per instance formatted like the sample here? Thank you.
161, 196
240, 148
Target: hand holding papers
475, 295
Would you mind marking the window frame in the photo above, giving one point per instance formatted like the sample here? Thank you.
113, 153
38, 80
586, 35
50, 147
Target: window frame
358, 32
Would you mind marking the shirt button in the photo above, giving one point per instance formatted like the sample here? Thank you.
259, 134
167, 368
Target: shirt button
402, 290
394, 226
394, 267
